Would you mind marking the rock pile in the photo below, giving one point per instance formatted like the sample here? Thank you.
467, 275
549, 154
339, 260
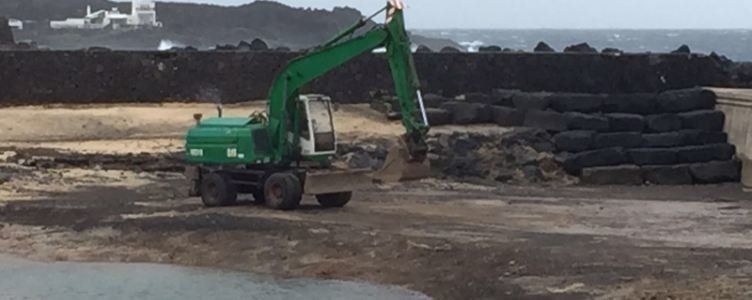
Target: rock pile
520, 156
517, 156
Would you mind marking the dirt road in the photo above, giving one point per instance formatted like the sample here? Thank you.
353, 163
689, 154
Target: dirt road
449, 240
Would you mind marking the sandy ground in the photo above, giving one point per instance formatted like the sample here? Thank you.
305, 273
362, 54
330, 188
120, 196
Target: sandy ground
449, 240
151, 128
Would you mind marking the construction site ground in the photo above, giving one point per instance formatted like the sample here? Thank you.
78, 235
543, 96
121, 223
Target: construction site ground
447, 239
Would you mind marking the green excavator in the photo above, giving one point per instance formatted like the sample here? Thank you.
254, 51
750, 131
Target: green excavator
284, 153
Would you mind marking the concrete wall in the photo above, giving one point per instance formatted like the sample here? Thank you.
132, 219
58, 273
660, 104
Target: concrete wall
737, 105
41, 77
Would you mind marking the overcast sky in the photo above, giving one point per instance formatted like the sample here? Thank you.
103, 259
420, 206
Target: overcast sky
553, 13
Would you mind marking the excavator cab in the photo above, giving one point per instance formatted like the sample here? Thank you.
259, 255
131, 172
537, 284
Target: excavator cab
317, 137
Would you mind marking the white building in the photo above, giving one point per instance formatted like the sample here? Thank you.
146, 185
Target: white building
15, 24
143, 14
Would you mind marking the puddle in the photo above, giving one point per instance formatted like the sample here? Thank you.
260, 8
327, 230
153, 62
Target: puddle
22, 279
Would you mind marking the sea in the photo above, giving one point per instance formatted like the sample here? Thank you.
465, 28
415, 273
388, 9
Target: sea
735, 44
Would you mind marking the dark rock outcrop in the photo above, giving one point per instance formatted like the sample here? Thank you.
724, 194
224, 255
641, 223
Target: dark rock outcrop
612, 51
580, 48
492, 48
683, 49
258, 45
544, 48
450, 50
423, 49
255, 45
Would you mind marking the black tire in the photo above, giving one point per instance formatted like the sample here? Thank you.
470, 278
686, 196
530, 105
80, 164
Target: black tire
283, 191
334, 200
218, 190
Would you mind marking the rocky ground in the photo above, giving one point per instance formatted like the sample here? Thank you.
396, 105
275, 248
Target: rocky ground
75, 186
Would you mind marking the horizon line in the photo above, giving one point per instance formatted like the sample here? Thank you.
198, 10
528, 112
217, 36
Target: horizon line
581, 28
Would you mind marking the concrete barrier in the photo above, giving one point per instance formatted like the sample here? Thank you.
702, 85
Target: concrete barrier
737, 105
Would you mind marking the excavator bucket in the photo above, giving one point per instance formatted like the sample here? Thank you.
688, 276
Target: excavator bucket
400, 166
331, 181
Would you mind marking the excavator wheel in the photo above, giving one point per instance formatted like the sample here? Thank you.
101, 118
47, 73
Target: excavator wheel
334, 200
283, 191
217, 189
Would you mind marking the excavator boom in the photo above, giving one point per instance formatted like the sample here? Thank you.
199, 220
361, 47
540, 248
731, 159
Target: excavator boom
300, 71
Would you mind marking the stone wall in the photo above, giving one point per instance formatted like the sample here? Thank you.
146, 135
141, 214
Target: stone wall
6, 35
102, 76
673, 137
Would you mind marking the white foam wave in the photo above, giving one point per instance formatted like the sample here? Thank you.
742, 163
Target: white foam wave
169, 44
472, 46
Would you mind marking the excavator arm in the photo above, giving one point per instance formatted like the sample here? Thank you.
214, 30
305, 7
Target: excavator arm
338, 51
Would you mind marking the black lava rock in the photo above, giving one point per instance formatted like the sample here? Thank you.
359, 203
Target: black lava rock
581, 48
683, 49
574, 141
613, 175
450, 50
492, 48
543, 47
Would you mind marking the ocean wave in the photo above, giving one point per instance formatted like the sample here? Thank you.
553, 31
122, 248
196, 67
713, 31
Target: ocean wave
165, 45
472, 46
733, 43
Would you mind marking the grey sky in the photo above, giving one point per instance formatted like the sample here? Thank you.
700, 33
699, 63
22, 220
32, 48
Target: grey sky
553, 13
